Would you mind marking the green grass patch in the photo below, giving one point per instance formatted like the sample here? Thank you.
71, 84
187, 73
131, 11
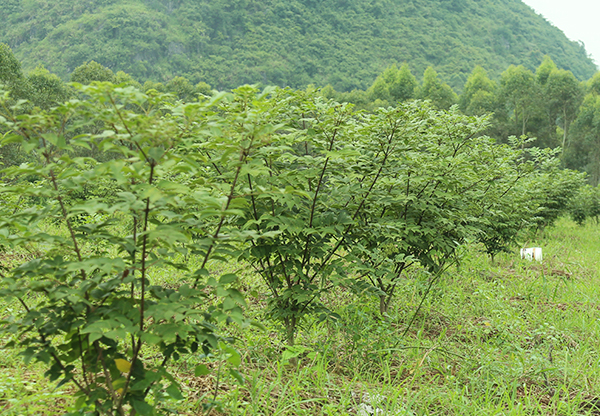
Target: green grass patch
510, 338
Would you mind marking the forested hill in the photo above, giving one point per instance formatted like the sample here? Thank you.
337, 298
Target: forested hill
345, 43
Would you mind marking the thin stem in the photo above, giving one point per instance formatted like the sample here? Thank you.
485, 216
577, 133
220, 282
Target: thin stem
243, 156
305, 256
144, 249
112, 101
138, 345
217, 383
83, 367
136, 352
431, 282
108, 378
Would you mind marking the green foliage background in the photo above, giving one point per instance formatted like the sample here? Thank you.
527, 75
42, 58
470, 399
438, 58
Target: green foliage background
227, 43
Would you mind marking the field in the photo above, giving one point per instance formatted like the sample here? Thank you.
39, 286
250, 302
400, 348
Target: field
509, 338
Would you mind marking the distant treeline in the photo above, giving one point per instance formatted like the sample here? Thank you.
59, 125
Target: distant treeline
551, 105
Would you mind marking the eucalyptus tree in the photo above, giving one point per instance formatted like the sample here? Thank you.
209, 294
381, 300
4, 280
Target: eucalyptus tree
593, 84
14, 84
439, 93
182, 88
123, 78
544, 70
11, 75
479, 94
518, 88
394, 85
564, 95
584, 151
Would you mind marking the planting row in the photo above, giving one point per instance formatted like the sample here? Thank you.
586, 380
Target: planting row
120, 186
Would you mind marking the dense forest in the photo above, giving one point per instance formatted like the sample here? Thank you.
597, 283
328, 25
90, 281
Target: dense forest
227, 43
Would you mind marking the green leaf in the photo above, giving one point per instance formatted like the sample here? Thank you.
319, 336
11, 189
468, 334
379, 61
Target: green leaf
142, 408
94, 336
174, 392
229, 304
234, 357
237, 375
55, 139
151, 338
201, 370
228, 278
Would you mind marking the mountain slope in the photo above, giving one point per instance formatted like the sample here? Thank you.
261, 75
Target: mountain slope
226, 43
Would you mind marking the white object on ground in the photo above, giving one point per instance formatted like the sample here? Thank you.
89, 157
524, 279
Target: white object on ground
534, 253
371, 403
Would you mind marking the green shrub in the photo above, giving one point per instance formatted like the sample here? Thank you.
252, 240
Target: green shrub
90, 310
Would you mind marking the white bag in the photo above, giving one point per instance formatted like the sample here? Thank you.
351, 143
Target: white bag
534, 253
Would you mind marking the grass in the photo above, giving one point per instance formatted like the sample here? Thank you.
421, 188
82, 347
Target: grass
509, 338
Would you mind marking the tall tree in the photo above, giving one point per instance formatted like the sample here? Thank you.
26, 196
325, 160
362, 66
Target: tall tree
593, 84
203, 88
521, 94
544, 70
405, 85
441, 94
150, 85
564, 95
394, 84
124, 78
479, 93
182, 89
546, 122
584, 153
13, 81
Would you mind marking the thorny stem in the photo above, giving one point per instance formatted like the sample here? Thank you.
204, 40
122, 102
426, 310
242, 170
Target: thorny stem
112, 101
81, 355
133, 256
213, 163
136, 352
47, 156
270, 270
137, 346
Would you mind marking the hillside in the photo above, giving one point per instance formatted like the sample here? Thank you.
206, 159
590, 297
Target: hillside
226, 43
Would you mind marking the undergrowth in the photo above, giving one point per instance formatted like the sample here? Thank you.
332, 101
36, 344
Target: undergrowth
509, 338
